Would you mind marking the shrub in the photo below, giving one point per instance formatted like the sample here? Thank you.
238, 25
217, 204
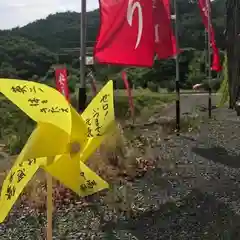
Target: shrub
153, 86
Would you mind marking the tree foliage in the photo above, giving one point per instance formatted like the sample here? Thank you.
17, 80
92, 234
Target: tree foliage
233, 49
224, 86
22, 58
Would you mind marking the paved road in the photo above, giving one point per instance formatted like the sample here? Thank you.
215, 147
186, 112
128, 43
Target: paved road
191, 103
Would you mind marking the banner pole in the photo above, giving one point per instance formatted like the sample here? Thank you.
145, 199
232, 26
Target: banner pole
82, 94
209, 61
177, 83
206, 53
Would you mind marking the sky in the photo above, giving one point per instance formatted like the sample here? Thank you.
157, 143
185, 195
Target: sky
21, 12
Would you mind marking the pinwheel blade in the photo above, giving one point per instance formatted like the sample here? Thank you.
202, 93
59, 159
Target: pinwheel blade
65, 170
46, 140
75, 175
91, 182
18, 177
99, 114
29, 161
100, 120
40, 102
79, 129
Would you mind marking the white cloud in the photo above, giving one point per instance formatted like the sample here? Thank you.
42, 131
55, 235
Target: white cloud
20, 12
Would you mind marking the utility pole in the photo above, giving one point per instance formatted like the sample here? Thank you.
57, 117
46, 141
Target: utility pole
82, 94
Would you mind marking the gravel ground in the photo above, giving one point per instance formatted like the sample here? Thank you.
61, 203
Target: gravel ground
193, 193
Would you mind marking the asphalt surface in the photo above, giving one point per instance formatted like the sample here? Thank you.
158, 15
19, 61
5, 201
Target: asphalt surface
192, 103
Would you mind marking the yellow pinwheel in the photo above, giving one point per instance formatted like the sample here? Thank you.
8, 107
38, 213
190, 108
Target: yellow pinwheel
61, 142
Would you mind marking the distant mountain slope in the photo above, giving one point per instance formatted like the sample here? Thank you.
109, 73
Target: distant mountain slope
20, 57
60, 30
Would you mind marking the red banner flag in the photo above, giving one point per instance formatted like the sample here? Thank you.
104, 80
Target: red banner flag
129, 92
61, 81
165, 41
126, 34
216, 62
204, 6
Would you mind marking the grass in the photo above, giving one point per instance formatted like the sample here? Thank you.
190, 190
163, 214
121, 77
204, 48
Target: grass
139, 92
142, 100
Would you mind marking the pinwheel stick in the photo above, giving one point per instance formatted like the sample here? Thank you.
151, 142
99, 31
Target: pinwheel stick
49, 202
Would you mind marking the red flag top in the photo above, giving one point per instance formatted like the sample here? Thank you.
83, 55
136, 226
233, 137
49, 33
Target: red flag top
125, 35
132, 31
165, 41
204, 6
61, 81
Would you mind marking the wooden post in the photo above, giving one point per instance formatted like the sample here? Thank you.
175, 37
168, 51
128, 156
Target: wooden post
49, 202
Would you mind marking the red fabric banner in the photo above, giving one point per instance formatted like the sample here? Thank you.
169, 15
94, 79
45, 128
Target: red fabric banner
129, 93
61, 81
204, 6
132, 31
165, 41
126, 35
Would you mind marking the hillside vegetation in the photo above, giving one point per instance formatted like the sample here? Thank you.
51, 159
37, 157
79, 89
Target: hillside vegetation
30, 51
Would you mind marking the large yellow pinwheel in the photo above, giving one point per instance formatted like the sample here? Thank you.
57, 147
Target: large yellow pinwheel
61, 135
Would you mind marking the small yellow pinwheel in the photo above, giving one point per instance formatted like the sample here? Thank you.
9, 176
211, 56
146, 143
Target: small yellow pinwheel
61, 135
